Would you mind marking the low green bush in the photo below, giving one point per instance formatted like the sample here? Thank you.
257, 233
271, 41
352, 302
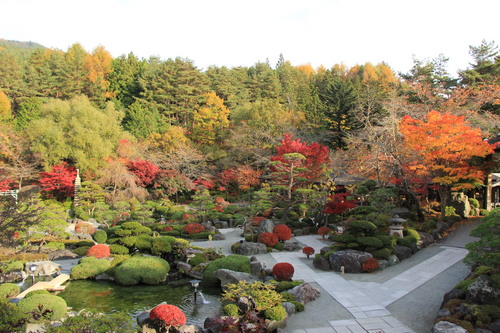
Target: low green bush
343, 238
279, 246
287, 297
162, 245
10, 317
118, 249
81, 251
197, 259
50, 307
361, 227
370, 242
199, 235
86, 321
408, 241
388, 241
54, 245
8, 290
11, 266
286, 285
235, 262
231, 310
383, 253
299, 306
352, 246
89, 267
148, 270
100, 236
172, 233
362, 210
144, 243
84, 243
411, 232
277, 313
37, 292
474, 203
235, 246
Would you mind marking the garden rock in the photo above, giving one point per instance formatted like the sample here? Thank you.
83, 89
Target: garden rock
43, 268
351, 260
305, 293
228, 276
217, 237
452, 294
382, 264
482, 291
324, 250
444, 313
256, 267
393, 260
460, 202
495, 326
62, 254
186, 329
403, 252
250, 248
80, 236
425, 239
265, 226
141, 317
447, 327
12, 277
290, 308
442, 226
321, 263
245, 304
183, 266
292, 246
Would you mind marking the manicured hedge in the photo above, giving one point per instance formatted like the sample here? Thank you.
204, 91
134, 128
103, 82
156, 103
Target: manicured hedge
8, 290
55, 307
89, 268
148, 270
162, 245
100, 236
233, 262
118, 249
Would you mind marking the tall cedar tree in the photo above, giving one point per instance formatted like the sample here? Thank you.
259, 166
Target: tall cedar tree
443, 146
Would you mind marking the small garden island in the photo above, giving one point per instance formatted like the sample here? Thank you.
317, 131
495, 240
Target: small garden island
140, 173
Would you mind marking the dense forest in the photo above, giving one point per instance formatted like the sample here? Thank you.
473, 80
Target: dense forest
159, 129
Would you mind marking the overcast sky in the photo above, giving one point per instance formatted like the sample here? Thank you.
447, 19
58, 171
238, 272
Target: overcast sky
241, 33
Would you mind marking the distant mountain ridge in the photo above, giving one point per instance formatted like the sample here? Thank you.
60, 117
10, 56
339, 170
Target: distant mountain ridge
4, 43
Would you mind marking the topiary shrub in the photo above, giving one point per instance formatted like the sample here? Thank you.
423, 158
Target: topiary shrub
277, 313
235, 262
362, 228
54, 245
369, 265
411, 232
85, 243
99, 251
382, 253
193, 228
362, 211
279, 246
89, 268
388, 241
37, 292
162, 245
269, 239
342, 238
169, 314
308, 251
231, 310
408, 241
283, 271
81, 251
143, 243
10, 266
100, 236
286, 285
299, 306
198, 258
49, 307
370, 242
135, 270
283, 232
118, 249
8, 290
167, 228
287, 297
323, 231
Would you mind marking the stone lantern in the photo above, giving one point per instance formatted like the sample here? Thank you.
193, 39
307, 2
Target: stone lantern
397, 226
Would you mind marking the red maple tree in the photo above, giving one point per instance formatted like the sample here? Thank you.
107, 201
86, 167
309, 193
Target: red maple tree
60, 182
144, 170
339, 203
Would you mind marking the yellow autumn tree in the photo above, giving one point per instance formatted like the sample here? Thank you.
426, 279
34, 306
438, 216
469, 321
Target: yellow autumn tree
5, 110
98, 65
210, 120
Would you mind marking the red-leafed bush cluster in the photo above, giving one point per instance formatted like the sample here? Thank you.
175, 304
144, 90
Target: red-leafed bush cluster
284, 232
99, 251
193, 228
369, 265
308, 251
269, 239
323, 231
283, 271
170, 314
85, 228
168, 228
255, 221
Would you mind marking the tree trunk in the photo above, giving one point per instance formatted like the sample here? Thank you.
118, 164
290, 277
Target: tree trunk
444, 194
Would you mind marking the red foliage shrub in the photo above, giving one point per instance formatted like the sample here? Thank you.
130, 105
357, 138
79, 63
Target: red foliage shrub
323, 231
144, 170
255, 221
85, 228
193, 228
369, 265
186, 217
339, 203
284, 232
308, 251
269, 239
170, 314
168, 228
99, 251
283, 271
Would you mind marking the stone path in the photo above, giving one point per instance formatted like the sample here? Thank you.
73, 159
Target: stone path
367, 301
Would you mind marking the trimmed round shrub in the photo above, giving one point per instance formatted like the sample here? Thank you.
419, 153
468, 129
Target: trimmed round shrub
370, 242
234, 262
198, 259
283, 271
193, 228
323, 231
388, 241
89, 268
361, 227
342, 238
8, 290
408, 241
148, 270
283, 232
362, 210
161, 245
231, 310
287, 285
167, 228
52, 307
474, 203
81, 251
54, 245
369, 265
118, 249
308, 251
85, 243
279, 246
287, 297
143, 243
100, 236
277, 313
99, 251
37, 292
382, 253
10, 266
299, 306
268, 239
169, 314
411, 232
123, 232
84, 228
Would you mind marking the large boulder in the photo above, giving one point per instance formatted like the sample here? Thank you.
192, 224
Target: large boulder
62, 254
291, 246
482, 291
452, 294
12, 277
227, 276
321, 263
460, 202
351, 260
42, 268
402, 252
265, 226
447, 327
251, 248
305, 293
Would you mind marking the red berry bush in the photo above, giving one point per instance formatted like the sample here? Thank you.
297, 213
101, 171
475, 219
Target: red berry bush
170, 314
323, 231
308, 251
269, 239
193, 228
283, 271
284, 232
99, 251
369, 265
